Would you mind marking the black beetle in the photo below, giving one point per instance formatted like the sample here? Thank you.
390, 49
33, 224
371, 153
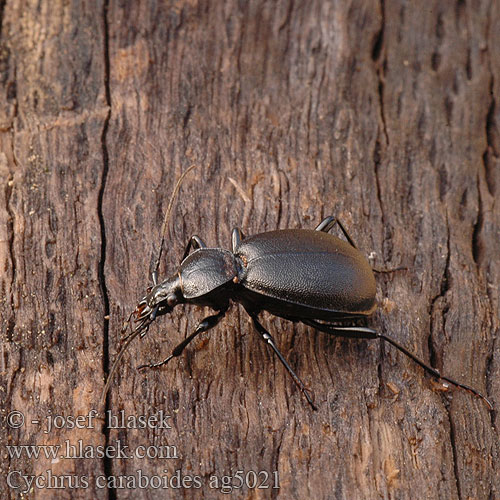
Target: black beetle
302, 275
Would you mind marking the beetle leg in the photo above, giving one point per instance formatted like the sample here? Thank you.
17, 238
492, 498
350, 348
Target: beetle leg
355, 332
362, 332
206, 324
237, 237
266, 337
327, 223
194, 242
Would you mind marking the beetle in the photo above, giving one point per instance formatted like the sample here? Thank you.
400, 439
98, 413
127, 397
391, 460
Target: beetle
302, 275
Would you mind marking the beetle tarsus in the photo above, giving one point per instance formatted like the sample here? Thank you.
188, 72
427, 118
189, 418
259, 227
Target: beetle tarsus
156, 365
310, 398
469, 389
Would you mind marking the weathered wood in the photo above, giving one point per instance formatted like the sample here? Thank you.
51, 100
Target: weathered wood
384, 114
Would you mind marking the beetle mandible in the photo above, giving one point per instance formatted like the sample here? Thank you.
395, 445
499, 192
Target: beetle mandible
301, 275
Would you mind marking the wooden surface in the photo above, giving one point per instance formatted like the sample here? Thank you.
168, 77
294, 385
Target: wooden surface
386, 114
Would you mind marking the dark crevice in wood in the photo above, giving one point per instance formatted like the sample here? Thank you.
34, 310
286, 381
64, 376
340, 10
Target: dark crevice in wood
375, 55
10, 244
381, 98
433, 357
489, 367
379, 370
439, 32
432, 351
2, 7
440, 28
11, 321
105, 157
102, 262
460, 13
456, 469
468, 65
435, 60
286, 21
448, 110
275, 460
379, 36
492, 133
445, 280
491, 146
490, 180
187, 116
477, 245
492, 149
377, 161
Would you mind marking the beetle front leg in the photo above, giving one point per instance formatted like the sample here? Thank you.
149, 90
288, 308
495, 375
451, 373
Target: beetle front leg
328, 222
194, 242
236, 238
206, 324
267, 337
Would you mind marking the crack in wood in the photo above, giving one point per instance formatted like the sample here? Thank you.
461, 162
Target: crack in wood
456, 469
375, 55
10, 244
491, 147
107, 462
444, 287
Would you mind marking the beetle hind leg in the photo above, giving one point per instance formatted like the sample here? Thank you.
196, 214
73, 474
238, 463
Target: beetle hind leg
362, 332
328, 222
267, 337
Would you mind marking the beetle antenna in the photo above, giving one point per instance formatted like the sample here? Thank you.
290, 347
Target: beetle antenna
163, 230
167, 217
142, 328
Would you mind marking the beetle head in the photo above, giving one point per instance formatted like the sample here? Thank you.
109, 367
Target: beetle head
160, 299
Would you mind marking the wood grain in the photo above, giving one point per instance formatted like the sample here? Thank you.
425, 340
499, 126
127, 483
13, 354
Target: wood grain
385, 114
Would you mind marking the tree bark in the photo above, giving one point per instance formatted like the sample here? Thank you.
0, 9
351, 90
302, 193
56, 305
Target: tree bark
384, 114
